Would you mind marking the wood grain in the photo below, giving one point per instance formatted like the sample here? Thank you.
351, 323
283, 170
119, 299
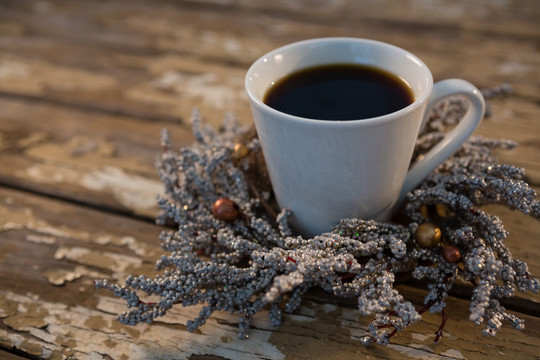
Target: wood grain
50, 308
164, 59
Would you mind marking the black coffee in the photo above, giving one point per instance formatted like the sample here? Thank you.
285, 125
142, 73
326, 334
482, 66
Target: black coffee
339, 92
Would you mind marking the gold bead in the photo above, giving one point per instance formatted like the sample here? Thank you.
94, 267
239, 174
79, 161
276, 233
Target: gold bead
428, 235
225, 209
451, 254
424, 211
443, 211
240, 151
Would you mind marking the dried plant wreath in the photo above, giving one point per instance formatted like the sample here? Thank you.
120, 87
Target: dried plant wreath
233, 251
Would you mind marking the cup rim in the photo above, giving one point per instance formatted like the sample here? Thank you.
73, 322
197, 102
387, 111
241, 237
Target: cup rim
424, 96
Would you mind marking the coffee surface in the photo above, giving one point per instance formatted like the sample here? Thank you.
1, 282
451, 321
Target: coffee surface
339, 92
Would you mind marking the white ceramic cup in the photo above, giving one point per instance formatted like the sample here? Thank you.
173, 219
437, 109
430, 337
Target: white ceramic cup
324, 170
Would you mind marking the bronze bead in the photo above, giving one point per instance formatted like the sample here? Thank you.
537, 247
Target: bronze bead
424, 211
443, 211
428, 235
225, 209
451, 254
240, 151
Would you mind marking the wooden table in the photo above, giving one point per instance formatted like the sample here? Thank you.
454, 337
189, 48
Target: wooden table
86, 86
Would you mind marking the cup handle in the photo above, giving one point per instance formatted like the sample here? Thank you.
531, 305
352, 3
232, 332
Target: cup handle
453, 140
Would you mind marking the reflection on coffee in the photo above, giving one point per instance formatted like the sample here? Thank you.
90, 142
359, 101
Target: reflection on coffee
339, 92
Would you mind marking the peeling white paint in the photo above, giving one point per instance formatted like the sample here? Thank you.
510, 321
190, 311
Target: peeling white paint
412, 352
298, 318
204, 86
107, 239
77, 327
40, 239
101, 259
180, 344
32, 139
93, 165
306, 311
60, 277
421, 337
328, 308
50, 174
232, 45
44, 233
515, 68
14, 339
37, 76
349, 319
133, 191
12, 69
453, 353
418, 351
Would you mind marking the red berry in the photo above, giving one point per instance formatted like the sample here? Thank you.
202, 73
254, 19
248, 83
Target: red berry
451, 254
225, 209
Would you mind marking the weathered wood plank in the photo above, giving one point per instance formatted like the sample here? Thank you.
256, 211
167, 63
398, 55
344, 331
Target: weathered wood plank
95, 158
517, 119
316, 331
73, 153
9, 356
107, 161
162, 59
52, 251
